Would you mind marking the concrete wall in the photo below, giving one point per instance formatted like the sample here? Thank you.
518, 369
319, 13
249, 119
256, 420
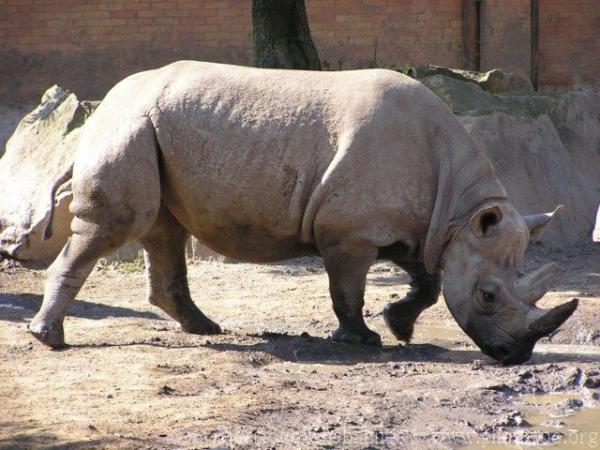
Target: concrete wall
88, 45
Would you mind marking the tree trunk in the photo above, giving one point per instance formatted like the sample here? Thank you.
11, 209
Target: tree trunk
282, 35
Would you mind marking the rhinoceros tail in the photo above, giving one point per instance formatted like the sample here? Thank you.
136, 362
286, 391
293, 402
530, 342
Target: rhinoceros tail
65, 176
316, 198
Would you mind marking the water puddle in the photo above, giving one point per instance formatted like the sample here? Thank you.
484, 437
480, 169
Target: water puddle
570, 421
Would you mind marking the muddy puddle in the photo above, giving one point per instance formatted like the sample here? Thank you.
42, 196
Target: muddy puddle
562, 420
574, 422
571, 422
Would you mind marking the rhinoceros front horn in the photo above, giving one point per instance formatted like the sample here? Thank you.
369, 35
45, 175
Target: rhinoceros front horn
549, 320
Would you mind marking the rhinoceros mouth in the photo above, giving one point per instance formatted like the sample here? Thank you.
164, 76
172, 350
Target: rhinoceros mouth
509, 355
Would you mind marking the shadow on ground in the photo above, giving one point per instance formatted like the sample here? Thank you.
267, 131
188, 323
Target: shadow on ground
316, 350
323, 351
22, 439
20, 307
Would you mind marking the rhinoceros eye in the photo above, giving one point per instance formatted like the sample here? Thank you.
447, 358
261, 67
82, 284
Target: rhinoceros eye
488, 297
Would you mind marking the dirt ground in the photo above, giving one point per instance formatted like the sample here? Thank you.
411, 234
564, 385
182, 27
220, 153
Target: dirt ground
131, 379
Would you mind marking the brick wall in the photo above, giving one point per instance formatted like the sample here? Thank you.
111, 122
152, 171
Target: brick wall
88, 45
363, 33
569, 53
73, 26
505, 36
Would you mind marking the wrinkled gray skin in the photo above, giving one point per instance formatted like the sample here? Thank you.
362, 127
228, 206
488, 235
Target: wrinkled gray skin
266, 165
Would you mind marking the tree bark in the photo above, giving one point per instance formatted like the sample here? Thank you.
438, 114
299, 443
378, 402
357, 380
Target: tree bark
282, 35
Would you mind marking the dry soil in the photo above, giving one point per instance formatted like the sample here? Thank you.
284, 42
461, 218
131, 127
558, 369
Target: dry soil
131, 379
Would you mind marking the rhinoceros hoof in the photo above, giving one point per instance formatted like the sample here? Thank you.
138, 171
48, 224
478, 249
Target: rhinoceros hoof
366, 337
51, 334
401, 326
201, 326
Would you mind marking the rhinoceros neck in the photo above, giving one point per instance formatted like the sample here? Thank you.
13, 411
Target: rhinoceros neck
471, 180
465, 179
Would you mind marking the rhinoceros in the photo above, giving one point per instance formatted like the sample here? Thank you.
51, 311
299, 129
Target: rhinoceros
265, 165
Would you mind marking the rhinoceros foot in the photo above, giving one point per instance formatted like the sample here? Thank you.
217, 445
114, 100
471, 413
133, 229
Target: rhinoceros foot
50, 334
352, 335
400, 318
201, 325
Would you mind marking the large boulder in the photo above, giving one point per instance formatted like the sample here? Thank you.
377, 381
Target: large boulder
9, 119
42, 146
545, 148
494, 81
464, 97
538, 172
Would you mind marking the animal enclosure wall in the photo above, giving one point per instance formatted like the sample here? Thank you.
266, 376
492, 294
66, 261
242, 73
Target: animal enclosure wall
88, 45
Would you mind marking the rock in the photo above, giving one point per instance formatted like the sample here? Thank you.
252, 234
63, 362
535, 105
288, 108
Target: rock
9, 119
592, 382
466, 98
463, 97
166, 390
42, 146
576, 378
429, 70
574, 403
514, 419
540, 169
497, 80
494, 81
545, 147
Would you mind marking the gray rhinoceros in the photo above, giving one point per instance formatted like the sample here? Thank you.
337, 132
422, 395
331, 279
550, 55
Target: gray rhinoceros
266, 165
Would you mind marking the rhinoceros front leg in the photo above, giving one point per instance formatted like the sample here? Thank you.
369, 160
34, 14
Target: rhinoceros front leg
164, 253
347, 266
401, 316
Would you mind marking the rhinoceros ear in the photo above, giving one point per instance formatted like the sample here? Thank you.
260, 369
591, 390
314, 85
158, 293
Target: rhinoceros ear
537, 222
484, 221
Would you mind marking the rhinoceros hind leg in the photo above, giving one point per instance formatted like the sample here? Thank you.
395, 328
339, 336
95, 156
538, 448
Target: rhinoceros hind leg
67, 274
64, 278
401, 316
347, 266
113, 204
164, 252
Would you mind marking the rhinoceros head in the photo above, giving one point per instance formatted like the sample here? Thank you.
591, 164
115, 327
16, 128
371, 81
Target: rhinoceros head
492, 301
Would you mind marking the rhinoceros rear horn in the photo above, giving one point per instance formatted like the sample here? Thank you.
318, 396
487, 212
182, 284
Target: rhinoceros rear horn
537, 222
534, 285
549, 320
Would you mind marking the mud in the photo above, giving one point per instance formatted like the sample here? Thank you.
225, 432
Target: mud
131, 379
